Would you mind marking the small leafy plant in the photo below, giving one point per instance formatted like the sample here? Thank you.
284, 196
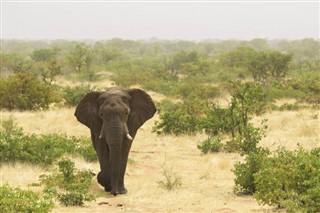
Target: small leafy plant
17, 200
213, 144
69, 185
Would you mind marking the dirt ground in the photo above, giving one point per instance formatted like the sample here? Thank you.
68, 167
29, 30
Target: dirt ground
207, 180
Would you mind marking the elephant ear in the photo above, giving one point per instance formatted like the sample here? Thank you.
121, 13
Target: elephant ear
142, 109
87, 112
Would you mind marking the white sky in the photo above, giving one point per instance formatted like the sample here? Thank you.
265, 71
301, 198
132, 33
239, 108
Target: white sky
241, 20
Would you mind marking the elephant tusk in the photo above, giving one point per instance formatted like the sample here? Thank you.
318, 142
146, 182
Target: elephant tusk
129, 137
100, 136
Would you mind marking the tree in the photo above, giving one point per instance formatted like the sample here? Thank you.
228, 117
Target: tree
46, 64
237, 58
279, 64
42, 55
263, 65
81, 58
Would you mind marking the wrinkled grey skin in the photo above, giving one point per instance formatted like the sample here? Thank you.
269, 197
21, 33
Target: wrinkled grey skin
114, 116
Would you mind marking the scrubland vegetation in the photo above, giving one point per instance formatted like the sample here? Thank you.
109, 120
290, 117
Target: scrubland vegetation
219, 96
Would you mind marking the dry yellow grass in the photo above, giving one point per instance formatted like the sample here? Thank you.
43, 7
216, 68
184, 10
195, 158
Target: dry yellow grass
207, 180
288, 128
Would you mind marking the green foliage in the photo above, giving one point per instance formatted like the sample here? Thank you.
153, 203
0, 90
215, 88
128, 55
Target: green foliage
47, 70
286, 179
16, 146
305, 89
213, 144
81, 58
244, 172
176, 123
194, 91
265, 66
69, 185
24, 91
234, 121
290, 179
17, 200
195, 115
73, 95
44, 54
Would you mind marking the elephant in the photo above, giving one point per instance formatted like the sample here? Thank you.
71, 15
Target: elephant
113, 117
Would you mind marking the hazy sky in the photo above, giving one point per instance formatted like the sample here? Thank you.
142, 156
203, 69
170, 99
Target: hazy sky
165, 20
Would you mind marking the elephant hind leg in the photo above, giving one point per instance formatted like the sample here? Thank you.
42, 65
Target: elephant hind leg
102, 180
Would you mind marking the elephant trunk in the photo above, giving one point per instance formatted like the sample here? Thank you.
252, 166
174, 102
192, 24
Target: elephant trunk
114, 134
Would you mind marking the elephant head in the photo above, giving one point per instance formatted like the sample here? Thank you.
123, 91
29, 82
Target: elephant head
114, 116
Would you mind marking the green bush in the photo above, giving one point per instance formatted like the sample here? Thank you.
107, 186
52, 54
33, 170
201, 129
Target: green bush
177, 123
17, 200
244, 172
69, 185
217, 120
192, 90
24, 91
213, 144
291, 180
16, 146
73, 95
286, 179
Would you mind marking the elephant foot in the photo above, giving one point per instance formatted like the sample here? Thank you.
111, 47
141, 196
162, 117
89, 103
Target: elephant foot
101, 180
107, 189
123, 190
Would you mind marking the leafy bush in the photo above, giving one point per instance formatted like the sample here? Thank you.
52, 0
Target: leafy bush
73, 95
213, 144
244, 172
286, 179
69, 185
295, 181
193, 90
176, 123
24, 91
17, 200
16, 146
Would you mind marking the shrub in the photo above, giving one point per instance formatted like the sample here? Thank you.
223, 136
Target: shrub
213, 144
177, 123
290, 179
73, 95
181, 118
16, 146
286, 179
192, 91
244, 172
17, 200
69, 185
24, 91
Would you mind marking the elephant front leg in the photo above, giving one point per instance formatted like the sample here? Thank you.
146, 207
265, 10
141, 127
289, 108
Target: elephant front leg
104, 180
124, 159
104, 176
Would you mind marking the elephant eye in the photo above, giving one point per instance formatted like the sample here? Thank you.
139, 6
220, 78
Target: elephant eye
124, 100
